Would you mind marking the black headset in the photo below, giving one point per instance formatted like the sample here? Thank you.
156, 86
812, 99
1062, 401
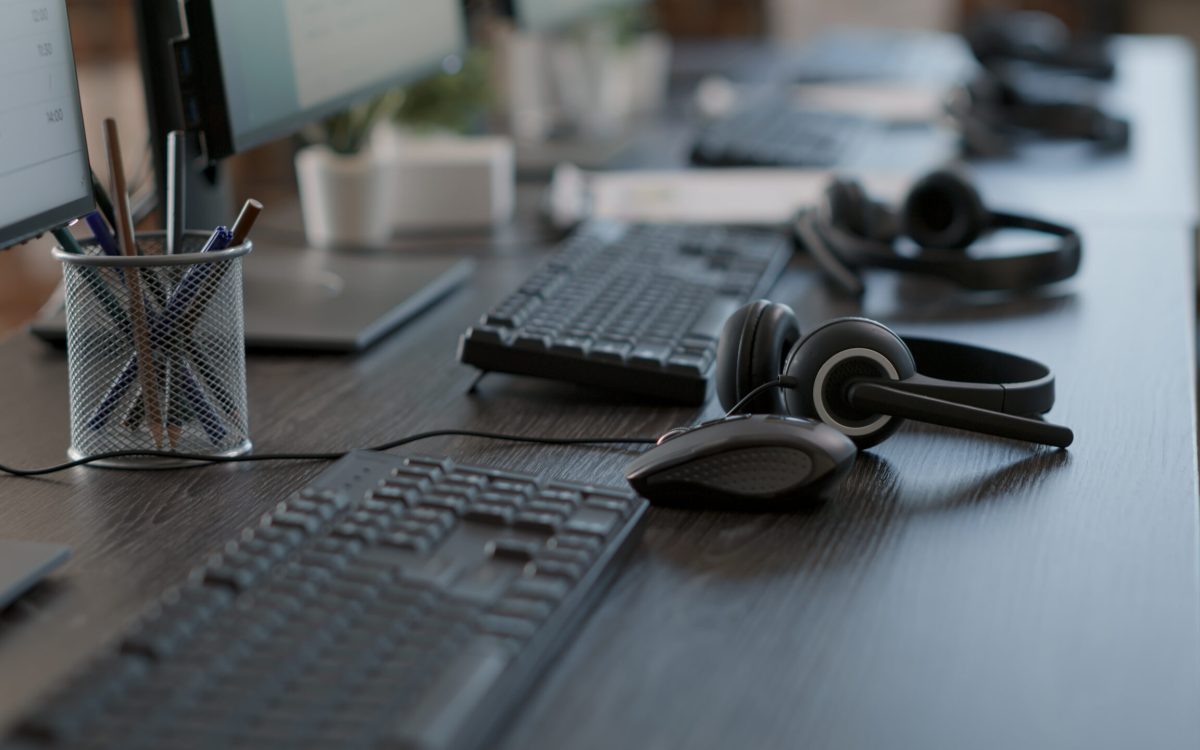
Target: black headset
860, 378
1039, 39
994, 117
944, 215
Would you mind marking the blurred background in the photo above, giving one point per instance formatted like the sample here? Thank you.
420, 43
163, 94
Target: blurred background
104, 38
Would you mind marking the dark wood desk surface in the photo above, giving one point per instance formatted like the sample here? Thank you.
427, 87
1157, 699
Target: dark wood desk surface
956, 591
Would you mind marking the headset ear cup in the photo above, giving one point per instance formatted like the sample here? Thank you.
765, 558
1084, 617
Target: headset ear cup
945, 212
750, 352
729, 347
827, 360
777, 332
847, 204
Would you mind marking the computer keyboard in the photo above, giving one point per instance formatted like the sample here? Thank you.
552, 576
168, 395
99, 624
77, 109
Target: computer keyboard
777, 134
636, 308
395, 601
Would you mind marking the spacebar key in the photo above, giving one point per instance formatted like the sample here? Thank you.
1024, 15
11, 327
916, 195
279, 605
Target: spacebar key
712, 320
444, 710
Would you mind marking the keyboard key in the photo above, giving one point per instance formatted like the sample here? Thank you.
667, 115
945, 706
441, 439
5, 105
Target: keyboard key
686, 364
559, 569
519, 550
489, 335
649, 355
529, 609
540, 522
532, 341
712, 318
571, 346
610, 351
589, 520
489, 514
551, 590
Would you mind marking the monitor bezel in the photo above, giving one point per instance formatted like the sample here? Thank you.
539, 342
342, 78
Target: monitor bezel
219, 139
65, 213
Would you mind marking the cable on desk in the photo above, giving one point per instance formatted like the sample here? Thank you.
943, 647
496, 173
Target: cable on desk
203, 460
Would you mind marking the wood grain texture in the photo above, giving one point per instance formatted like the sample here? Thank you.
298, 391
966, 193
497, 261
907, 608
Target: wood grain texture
956, 591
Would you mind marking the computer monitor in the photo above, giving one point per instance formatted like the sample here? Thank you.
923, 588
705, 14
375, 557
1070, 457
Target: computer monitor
237, 73
269, 67
45, 179
548, 15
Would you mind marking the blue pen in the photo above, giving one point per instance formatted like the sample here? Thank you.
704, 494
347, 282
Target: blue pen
161, 326
104, 237
204, 411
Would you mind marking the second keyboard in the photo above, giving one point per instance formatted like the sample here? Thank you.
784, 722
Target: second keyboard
636, 308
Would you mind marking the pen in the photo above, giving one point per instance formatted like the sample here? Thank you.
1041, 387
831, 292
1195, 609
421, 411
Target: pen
167, 327
141, 339
241, 231
245, 221
95, 283
102, 200
104, 239
176, 155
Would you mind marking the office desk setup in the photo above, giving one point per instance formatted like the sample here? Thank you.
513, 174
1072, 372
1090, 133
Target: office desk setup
954, 590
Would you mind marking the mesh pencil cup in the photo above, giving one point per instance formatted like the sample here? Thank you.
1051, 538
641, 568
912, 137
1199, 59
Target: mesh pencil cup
156, 351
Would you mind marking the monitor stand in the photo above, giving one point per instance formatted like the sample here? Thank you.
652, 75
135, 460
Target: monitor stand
312, 300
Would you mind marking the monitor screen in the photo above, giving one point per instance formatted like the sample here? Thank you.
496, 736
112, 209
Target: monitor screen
545, 15
45, 180
285, 63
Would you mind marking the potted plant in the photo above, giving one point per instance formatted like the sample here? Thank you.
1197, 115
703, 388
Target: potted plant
445, 172
345, 187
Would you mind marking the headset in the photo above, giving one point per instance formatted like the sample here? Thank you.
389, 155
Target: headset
944, 215
994, 118
862, 379
1040, 39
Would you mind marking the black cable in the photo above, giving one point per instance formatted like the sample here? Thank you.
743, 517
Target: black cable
783, 381
205, 460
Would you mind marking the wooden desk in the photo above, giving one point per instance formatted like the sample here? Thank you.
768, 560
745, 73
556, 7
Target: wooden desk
956, 591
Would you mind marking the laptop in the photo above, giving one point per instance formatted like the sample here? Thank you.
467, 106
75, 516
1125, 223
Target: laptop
310, 300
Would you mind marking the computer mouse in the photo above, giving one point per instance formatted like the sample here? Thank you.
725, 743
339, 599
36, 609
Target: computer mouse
749, 462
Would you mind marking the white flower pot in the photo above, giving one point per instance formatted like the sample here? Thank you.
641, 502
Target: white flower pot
345, 199
447, 181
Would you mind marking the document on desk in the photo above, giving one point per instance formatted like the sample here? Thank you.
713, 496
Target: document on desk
693, 196
893, 102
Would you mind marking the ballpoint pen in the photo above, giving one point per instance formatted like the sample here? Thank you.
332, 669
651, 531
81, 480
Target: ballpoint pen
112, 306
142, 345
100, 232
102, 200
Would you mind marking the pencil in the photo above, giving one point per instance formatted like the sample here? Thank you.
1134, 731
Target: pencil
147, 371
245, 221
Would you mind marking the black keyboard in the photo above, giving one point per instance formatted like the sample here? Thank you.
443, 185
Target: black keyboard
636, 308
778, 134
399, 602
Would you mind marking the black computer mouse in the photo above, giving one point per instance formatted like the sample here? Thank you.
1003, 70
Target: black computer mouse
749, 462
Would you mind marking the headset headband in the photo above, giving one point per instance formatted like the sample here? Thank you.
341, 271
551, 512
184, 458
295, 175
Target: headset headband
1023, 271
975, 376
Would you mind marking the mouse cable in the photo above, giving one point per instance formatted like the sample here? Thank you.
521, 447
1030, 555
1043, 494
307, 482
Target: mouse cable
201, 459
783, 381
